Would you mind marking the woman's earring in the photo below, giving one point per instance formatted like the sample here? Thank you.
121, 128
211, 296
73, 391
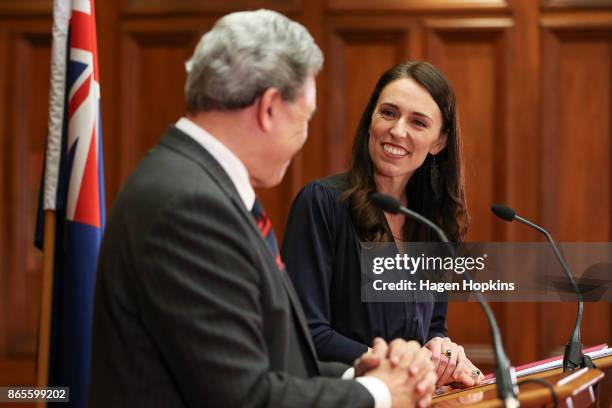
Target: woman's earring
434, 178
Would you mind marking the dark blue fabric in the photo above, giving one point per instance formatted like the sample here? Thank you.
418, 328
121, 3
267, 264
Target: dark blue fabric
322, 255
71, 327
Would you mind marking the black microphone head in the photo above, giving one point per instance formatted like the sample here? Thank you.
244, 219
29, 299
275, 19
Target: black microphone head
503, 212
386, 203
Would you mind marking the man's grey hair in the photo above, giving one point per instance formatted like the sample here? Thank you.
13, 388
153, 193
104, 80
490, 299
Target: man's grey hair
246, 53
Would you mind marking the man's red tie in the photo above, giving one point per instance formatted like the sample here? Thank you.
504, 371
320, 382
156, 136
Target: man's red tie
265, 226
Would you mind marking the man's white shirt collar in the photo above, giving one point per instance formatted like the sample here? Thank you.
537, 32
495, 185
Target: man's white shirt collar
232, 165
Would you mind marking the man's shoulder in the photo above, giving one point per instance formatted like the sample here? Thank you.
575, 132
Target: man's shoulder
163, 180
175, 164
162, 174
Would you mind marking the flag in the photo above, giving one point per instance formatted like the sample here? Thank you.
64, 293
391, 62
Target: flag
73, 187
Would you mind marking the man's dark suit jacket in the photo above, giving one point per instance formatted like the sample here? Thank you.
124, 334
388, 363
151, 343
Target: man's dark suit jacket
190, 308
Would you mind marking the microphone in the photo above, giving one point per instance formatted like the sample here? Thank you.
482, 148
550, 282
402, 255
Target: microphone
393, 206
504, 373
503, 212
573, 356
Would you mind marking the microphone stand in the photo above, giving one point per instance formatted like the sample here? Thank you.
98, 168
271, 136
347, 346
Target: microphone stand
573, 356
505, 377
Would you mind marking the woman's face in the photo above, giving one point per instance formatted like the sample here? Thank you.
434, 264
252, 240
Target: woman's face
406, 125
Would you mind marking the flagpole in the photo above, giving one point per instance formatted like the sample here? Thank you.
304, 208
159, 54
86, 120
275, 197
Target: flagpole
74, 186
44, 332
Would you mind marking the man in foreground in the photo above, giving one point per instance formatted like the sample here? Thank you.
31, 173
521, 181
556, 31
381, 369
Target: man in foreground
193, 306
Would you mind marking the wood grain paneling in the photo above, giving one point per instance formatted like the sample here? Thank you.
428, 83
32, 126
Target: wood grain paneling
153, 77
107, 23
578, 4
25, 7
189, 7
18, 371
5, 232
576, 134
576, 158
358, 58
311, 162
472, 57
471, 54
568, 21
522, 121
519, 322
418, 5
28, 49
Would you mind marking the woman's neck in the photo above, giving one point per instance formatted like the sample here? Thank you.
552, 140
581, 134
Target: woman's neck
396, 188
392, 186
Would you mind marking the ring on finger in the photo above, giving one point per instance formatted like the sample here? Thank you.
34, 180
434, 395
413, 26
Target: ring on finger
476, 373
448, 353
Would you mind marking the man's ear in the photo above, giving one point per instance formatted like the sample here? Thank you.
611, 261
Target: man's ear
439, 145
267, 105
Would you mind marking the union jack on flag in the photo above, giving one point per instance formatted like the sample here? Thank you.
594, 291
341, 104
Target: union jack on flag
73, 187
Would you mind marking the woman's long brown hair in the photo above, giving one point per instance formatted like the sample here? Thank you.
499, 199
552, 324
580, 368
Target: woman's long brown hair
448, 210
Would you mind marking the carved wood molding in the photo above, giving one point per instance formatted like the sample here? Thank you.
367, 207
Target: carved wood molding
417, 5
579, 21
575, 4
26, 8
188, 7
469, 24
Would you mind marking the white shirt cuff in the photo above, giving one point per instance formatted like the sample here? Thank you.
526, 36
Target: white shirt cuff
349, 374
378, 389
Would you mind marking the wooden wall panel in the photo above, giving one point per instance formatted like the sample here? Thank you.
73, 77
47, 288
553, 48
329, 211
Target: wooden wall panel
519, 322
5, 232
311, 162
152, 95
109, 58
470, 53
189, 7
471, 67
522, 122
25, 7
27, 49
576, 157
473, 62
353, 81
577, 4
440, 6
32, 53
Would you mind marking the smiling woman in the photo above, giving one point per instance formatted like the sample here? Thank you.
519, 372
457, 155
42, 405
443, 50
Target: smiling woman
406, 127
413, 108
407, 145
